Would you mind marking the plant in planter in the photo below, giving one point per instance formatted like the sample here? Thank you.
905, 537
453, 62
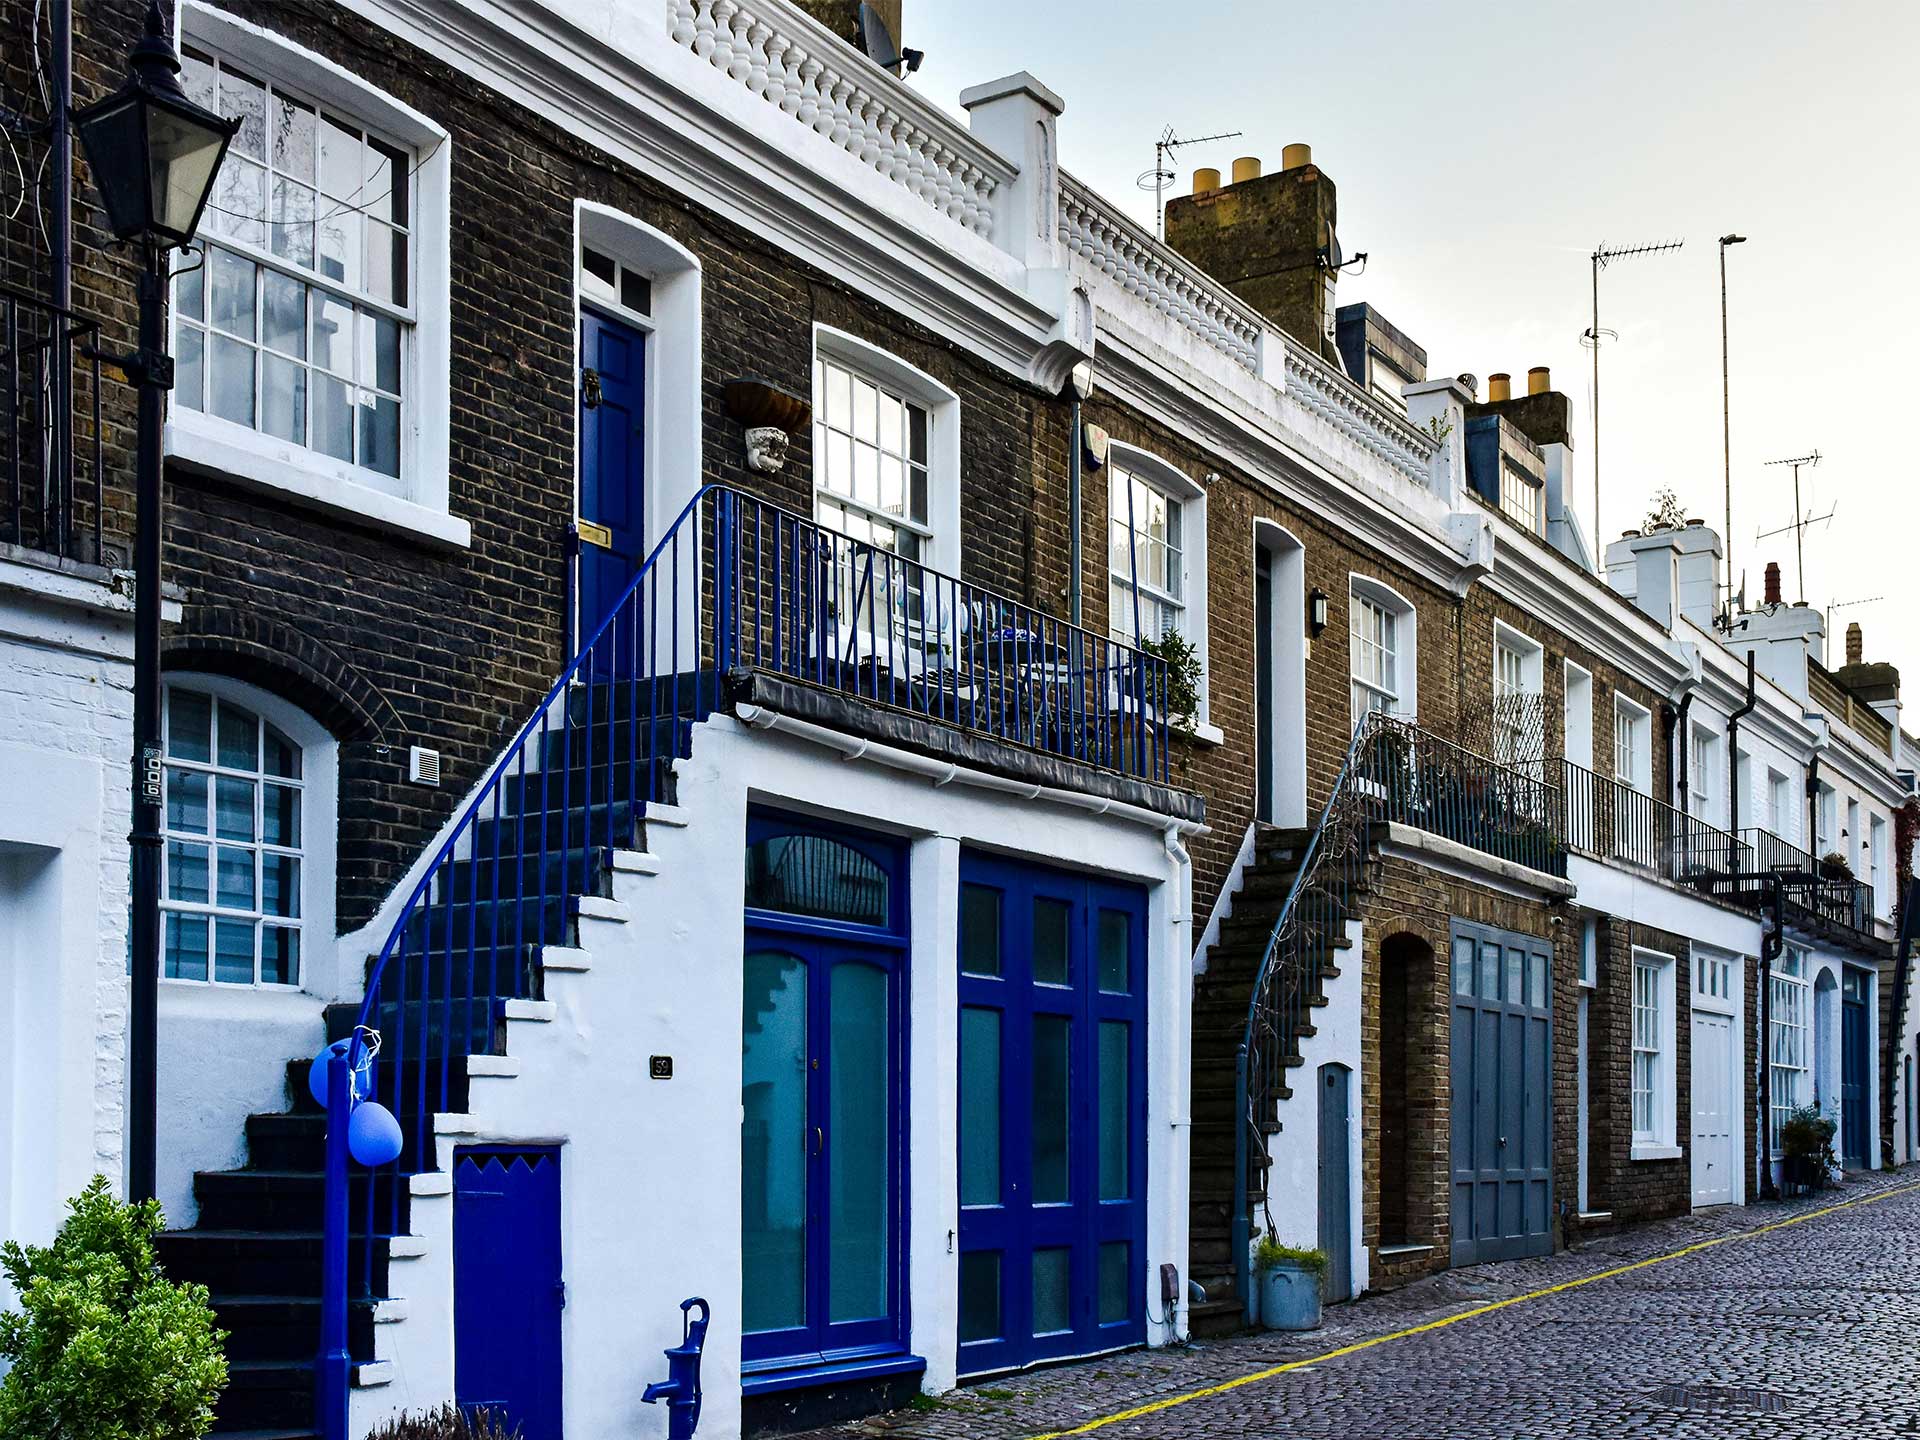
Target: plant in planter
1806, 1148
1185, 676
105, 1347
1288, 1280
1834, 866
447, 1423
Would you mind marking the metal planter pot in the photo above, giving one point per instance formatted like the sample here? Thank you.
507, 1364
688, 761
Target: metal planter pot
1289, 1297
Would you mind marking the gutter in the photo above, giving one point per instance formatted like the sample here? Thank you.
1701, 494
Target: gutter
945, 772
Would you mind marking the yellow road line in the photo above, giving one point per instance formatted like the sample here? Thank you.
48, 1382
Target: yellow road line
1154, 1407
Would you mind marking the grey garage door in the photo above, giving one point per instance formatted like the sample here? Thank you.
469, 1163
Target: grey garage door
1502, 1172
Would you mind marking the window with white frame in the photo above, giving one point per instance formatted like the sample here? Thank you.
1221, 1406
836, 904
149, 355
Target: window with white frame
1826, 819
1850, 838
1520, 500
1632, 745
1713, 975
1779, 805
1381, 650
1877, 864
1703, 771
237, 833
1519, 724
298, 322
1787, 1040
871, 459
1653, 1049
1145, 557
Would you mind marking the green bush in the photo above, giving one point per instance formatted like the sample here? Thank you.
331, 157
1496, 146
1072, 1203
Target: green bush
1269, 1252
447, 1423
1806, 1146
104, 1347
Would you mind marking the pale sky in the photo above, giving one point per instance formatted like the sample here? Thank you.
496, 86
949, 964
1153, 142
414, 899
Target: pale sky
1482, 152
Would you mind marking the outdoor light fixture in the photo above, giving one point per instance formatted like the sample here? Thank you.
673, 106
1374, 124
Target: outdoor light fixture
1316, 612
154, 153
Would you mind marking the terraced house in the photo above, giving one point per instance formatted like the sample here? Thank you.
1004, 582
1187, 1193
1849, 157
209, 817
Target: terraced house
681, 561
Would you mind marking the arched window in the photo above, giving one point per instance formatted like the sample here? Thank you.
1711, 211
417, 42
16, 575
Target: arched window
1381, 649
248, 823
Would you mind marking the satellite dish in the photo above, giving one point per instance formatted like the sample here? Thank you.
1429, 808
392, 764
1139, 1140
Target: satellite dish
1331, 254
878, 42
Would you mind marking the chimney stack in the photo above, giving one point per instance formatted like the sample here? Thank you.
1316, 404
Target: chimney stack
1856, 646
1268, 237
1773, 582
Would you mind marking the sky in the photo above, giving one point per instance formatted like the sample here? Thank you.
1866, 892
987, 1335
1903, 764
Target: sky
1481, 153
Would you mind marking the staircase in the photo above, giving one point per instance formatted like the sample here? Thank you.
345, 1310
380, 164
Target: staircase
539, 858
1221, 1000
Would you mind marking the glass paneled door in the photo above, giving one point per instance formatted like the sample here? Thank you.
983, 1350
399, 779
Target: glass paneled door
1053, 1053
822, 1133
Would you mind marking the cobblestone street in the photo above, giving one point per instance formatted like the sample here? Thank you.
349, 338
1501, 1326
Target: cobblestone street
1804, 1331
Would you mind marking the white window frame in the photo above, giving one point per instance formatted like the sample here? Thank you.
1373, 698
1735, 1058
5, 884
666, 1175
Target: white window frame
1521, 500
1638, 722
220, 447
1405, 694
1576, 691
1826, 819
1877, 864
1528, 680
1780, 814
1789, 1040
940, 536
319, 837
1653, 1104
1703, 768
1191, 496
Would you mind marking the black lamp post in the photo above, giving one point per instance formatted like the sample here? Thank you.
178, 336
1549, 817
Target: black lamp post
154, 156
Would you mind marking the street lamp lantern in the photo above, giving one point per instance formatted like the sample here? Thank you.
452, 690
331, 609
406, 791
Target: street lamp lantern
153, 151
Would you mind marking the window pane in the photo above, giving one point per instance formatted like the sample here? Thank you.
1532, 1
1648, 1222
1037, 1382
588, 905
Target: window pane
239, 738
1516, 983
1115, 1075
284, 314
189, 369
186, 801
979, 930
979, 1106
980, 1296
197, 78
1463, 967
1051, 920
386, 263
234, 871
1116, 952
189, 726
283, 407
186, 948
232, 283
384, 191
245, 99
380, 434
1115, 1282
333, 334
294, 137
190, 287
1489, 970
1540, 971
337, 243
332, 416
280, 816
233, 951
232, 380
282, 755
187, 873
857, 1155
280, 955
233, 808
773, 1168
379, 353
292, 218
1050, 1099
1052, 1290
280, 886
816, 875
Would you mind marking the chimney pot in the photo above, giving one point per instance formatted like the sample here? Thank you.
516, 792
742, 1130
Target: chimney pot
1499, 387
1856, 645
1204, 179
1773, 582
1247, 167
1293, 156
1539, 380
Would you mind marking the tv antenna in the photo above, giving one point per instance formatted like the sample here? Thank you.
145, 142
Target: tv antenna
1156, 179
1801, 520
1833, 605
1603, 256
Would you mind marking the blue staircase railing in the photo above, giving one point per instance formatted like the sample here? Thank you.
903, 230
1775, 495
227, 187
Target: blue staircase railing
736, 584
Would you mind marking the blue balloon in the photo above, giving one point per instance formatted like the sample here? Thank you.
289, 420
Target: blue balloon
373, 1135
362, 1085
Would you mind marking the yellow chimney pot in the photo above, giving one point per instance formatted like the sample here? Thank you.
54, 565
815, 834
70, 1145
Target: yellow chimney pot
1204, 179
1296, 155
1539, 380
1499, 387
1247, 167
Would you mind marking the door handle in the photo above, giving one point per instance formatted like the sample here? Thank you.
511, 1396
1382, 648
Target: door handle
1503, 1142
819, 1141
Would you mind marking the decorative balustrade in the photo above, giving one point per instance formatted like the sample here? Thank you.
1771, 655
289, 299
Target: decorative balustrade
1142, 266
794, 64
1325, 392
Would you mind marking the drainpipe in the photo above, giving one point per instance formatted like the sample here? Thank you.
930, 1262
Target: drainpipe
1677, 751
60, 260
1771, 943
1810, 837
1733, 753
1073, 510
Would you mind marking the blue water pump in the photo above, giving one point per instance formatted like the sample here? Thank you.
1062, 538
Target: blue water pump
681, 1388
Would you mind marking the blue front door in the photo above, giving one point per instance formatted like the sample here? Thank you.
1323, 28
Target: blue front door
1053, 1049
613, 388
1853, 1071
823, 1129
507, 1288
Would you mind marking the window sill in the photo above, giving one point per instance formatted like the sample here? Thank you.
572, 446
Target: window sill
1655, 1152
1207, 733
878, 1367
260, 463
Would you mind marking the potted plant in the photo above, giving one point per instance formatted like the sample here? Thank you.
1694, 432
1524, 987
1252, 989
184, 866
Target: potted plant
1806, 1149
1834, 866
1288, 1281
1185, 676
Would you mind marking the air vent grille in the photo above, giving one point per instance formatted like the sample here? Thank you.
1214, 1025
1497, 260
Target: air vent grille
423, 765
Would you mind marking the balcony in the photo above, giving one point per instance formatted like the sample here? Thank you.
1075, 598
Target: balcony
1814, 898
50, 433
861, 638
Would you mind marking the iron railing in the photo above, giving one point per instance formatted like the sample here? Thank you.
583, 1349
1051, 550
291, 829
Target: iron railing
734, 584
51, 465
1809, 888
1507, 810
1614, 821
810, 604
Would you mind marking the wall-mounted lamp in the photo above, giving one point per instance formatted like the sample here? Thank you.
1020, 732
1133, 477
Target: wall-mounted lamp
1316, 612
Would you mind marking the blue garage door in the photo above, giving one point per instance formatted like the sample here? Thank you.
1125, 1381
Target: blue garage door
1502, 1171
1053, 1048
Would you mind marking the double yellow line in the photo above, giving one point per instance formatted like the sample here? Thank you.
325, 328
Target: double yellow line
1156, 1406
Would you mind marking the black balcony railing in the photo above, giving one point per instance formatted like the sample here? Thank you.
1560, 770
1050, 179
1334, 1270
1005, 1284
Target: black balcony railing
1411, 777
1613, 821
50, 442
1813, 892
